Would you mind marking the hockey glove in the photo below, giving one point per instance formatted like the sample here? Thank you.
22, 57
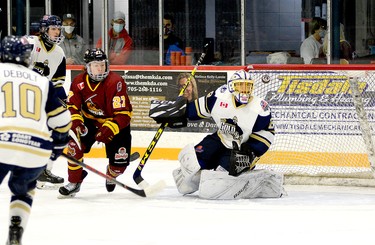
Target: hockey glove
107, 132
78, 126
171, 112
240, 161
41, 68
60, 141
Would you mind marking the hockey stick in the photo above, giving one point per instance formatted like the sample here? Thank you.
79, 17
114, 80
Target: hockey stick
134, 156
137, 177
146, 192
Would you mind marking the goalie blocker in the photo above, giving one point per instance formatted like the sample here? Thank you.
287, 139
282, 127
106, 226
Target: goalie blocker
171, 112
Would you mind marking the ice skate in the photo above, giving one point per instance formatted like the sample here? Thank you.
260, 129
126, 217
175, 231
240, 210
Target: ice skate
15, 231
47, 180
109, 185
71, 189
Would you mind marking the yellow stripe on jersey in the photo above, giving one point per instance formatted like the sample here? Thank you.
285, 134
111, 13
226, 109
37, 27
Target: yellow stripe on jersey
56, 111
26, 131
77, 117
197, 108
260, 139
129, 113
41, 153
64, 129
73, 167
58, 79
112, 126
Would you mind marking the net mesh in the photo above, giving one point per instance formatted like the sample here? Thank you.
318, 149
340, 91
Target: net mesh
317, 128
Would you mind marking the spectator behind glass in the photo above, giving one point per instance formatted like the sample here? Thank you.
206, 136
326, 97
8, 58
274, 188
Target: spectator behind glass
73, 45
346, 51
171, 41
120, 43
311, 47
191, 91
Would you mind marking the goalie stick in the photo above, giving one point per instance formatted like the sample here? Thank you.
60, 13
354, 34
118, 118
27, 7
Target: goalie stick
137, 177
146, 192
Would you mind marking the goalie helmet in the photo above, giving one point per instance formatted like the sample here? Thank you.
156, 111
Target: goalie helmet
241, 85
96, 56
48, 21
16, 49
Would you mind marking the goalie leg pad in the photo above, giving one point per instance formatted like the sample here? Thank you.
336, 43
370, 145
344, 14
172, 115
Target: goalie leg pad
186, 185
188, 160
253, 184
187, 177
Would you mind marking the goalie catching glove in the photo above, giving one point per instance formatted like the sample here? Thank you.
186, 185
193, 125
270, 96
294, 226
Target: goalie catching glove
171, 112
240, 160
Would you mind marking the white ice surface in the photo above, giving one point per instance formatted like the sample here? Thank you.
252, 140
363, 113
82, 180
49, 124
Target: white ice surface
308, 215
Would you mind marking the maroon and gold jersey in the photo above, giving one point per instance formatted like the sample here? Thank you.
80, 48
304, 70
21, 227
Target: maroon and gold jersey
100, 101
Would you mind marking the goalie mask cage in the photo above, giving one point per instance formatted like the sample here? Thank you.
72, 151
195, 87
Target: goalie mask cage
324, 121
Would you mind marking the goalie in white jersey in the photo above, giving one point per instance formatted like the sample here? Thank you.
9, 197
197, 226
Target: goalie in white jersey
48, 59
245, 132
33, 124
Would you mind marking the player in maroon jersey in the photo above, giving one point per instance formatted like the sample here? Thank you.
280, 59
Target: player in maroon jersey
101, 111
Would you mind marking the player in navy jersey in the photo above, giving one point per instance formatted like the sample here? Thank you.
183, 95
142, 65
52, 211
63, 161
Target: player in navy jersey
244, 133
32, 124
101, 111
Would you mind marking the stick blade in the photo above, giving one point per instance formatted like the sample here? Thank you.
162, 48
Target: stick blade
134, 156
152, 190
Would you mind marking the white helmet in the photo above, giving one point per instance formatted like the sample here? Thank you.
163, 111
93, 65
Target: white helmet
241, 86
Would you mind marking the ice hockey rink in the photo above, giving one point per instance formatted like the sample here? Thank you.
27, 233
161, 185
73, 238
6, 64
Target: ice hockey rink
308, 215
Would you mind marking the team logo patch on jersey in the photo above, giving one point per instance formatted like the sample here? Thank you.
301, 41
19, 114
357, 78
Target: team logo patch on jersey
223, 104
5, 137
72, 148
223, 88
92, 108
81, 85
199, 149
121, 155
229, 126
119, 86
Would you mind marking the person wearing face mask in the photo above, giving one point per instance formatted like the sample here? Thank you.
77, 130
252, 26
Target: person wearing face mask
171, 41
311, 47
73, 45
119, 41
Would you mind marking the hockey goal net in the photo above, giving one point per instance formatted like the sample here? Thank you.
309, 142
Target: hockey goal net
324, 125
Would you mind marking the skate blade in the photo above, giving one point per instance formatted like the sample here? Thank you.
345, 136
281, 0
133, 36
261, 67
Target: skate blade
47, 186
61, 196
